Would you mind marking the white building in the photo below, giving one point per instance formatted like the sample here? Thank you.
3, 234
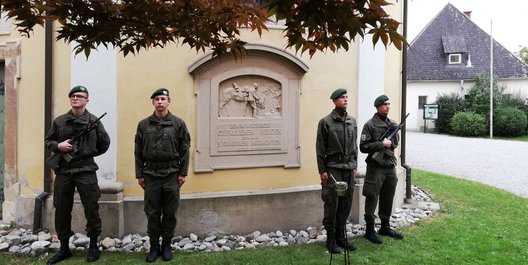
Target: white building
447, 56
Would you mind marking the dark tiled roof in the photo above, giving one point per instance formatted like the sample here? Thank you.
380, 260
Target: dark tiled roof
454, 44
453, 32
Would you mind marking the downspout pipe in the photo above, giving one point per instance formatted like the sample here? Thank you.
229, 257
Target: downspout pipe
40, 200
408, 189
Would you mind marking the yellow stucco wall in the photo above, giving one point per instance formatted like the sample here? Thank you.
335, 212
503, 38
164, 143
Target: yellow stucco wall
30, 104
168, 68
138, 76
30, 109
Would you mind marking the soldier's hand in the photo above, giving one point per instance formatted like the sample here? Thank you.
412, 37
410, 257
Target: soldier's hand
65, 146
141, 182
324, 178
181, 180
387, 143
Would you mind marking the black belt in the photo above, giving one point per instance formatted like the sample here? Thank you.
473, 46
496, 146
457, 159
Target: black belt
338, 158
164, 164
77, 163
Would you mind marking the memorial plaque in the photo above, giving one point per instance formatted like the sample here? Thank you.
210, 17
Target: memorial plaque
248, 112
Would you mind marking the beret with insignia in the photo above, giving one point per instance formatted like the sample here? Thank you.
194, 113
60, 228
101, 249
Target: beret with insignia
380, 100
338, 93
78, 89
160, 92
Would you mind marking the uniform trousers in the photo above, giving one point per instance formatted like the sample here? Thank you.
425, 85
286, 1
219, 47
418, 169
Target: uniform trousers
162, 199
380, 185
337, 208
64, 190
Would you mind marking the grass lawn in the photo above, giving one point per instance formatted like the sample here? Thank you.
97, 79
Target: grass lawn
519, 138
477, 225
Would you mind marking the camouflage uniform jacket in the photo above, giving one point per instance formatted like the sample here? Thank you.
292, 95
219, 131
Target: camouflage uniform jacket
162, 146
336, 144
370, 141
91, 144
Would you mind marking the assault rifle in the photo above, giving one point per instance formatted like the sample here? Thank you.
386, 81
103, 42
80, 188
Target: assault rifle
389, 134
53, 160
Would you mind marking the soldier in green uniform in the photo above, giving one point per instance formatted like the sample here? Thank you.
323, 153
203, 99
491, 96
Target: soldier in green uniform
381, 178
78, 173
162, 160
336, 150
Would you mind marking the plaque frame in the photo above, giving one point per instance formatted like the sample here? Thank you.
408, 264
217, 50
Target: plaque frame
261, 63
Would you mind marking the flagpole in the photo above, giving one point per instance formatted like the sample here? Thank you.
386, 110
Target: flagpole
491, 81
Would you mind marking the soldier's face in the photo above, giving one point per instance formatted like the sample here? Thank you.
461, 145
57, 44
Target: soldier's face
384, 108
341, 102
161, 103
79, 99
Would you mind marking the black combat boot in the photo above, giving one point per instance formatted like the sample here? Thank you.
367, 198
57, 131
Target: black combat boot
371, 234
166, 249
331, 242
341, 239
154, 250
63, 253
386, 230
93, 250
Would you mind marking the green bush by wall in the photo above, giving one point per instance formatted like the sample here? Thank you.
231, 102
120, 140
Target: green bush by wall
468, 124
509, 121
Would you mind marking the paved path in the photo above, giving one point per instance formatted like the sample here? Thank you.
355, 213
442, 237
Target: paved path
499, 163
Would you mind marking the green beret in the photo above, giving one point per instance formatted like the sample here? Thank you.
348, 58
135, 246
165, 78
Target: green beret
380, 100
338, 93
160, 92
78, 89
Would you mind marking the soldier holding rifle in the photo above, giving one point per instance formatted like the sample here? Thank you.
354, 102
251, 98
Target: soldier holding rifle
74, 166
381, 178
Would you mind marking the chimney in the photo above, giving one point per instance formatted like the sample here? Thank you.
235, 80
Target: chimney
467, 13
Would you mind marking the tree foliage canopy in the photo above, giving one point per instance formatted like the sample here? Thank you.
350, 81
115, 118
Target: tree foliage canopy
523, 53
478, 96
133, 25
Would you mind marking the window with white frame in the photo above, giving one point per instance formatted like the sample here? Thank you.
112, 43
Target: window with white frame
455, 58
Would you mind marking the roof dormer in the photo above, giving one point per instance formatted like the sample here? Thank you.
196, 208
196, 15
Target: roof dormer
454, 46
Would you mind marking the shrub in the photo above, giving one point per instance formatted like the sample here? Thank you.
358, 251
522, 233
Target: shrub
448, 105
468, 124
517, 100
509, 121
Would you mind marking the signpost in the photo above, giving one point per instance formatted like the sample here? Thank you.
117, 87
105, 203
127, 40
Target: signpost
430, 113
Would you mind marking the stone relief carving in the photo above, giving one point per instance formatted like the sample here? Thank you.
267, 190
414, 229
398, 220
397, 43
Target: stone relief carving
248, 111
249, 97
